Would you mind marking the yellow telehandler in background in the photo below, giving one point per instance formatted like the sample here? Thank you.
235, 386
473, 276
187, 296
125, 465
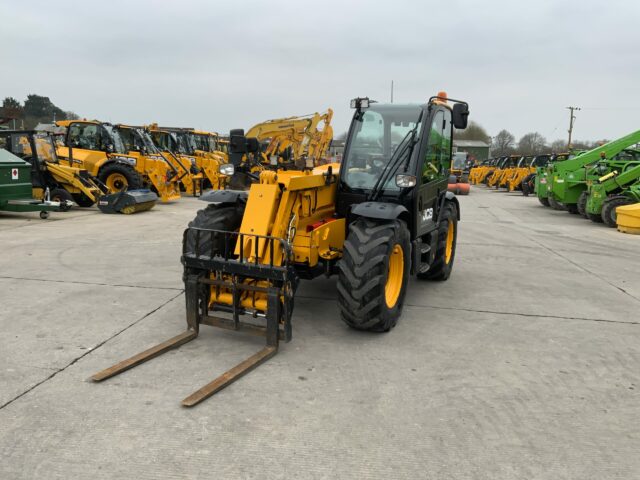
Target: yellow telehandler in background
98, 147
527, 166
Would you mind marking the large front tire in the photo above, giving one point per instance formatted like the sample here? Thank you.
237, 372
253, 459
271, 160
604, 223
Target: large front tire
373, 274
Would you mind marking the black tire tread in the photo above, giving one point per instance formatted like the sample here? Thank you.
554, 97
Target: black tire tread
362, 274
213, 217
582, 204
609, 206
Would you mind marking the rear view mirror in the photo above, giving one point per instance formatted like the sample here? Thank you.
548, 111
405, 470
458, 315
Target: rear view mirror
460, 115
253, 145
237, 141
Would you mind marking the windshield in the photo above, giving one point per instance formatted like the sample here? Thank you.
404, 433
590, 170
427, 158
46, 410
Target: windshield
374, 139
165, 141
45, 148
459, 160
113, 137
203, 142
147, 141
186, 143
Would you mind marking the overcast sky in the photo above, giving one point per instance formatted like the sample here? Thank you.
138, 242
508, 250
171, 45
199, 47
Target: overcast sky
221, 65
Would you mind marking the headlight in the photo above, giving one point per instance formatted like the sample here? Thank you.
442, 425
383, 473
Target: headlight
227, 169
405, 181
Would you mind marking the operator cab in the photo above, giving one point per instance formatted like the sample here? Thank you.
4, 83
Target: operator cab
400, 154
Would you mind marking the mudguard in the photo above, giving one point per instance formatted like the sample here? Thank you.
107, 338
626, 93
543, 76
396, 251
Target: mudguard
450, 197
224, 196
379, 210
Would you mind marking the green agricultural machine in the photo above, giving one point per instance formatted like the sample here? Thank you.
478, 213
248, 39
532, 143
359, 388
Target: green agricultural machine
16, 188
613, 190
567, 180
540, 179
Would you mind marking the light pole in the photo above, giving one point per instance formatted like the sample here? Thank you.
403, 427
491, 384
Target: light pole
572, 118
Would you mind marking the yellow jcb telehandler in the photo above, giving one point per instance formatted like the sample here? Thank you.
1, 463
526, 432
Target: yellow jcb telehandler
526, 167
98, 147
379, 217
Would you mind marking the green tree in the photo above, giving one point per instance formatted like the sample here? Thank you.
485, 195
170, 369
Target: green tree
474, 131
11, 109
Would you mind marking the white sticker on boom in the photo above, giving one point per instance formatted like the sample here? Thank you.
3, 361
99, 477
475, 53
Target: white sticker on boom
14, 174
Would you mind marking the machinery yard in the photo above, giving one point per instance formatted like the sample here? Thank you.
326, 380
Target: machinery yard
524, 364
338, 240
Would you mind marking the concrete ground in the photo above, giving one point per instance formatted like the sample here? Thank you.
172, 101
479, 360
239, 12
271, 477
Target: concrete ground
525, 364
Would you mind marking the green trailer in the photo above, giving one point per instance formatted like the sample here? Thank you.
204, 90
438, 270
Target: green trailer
15, 188
568, 179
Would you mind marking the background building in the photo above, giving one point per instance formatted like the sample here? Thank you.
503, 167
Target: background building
475, 148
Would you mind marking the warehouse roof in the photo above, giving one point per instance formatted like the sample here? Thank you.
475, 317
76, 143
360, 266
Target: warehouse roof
470, 143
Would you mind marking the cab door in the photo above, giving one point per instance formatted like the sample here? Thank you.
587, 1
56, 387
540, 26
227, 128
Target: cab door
436, 163
85, 140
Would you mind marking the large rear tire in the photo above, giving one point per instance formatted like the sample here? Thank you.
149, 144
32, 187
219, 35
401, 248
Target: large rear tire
527, 185
442, 264
117, 177
608, 214
544, 201
572, 208
582, 203
553, 203
213, 217
373, 274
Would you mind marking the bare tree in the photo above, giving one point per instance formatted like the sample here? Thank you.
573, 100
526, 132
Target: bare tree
532, 143
558, 146
502, 143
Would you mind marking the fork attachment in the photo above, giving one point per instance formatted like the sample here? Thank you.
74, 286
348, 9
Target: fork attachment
231, 274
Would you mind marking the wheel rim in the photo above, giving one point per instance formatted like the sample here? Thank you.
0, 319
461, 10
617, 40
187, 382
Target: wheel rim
394, 277
116, 182
448, 253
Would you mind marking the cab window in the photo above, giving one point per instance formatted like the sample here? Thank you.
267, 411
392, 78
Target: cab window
438, 156
84, 136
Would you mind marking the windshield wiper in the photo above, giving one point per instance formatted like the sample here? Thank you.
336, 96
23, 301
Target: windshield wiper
394, 161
